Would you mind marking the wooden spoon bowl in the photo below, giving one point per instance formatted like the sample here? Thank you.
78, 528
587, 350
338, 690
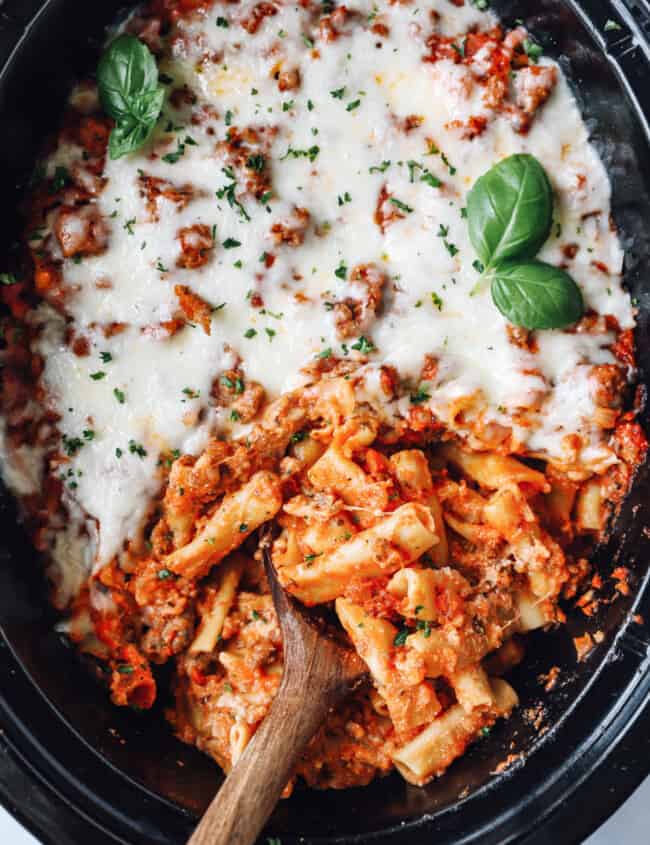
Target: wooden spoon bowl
319, 672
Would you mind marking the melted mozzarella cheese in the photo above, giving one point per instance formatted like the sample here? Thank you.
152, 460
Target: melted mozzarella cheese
354, 93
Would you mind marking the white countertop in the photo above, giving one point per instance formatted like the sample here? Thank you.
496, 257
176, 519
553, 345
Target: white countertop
629, 826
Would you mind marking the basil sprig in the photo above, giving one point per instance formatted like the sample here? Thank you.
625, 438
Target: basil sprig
127, 77
510, 214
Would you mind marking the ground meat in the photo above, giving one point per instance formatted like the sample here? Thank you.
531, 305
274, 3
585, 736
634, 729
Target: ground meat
245, 152
262, 10
330, 26
354, 315
154, 188
608, 383
244, 398
81, 231
386, 212
533, 86
148, 31
196, 309
289, 80
292, 230
196, 245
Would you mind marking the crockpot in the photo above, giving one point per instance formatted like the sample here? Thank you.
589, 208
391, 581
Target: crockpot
73, 768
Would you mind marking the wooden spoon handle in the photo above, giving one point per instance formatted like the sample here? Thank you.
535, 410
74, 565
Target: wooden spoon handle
247, 798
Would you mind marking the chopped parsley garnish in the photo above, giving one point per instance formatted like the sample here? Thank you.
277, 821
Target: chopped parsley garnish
379, 168
311, 153
271, 333
401, 205
229, 192
98, 376
256, 162
424, 626
443, 231
400, 638
310, 105
243, 527
288, 105
173, 158
223, 22
341, 271
71, 445
164, 574
420, 396
128, 226
88, 434
326, 353
119, 395
190, 393
161, 267
343, 198
137, 449
353, 105
106, 357
249, 333
413, 166
434, 150
449, 166
298, 437
364, 345
118, 453
231, 243
125, 669
228, 118
430, 179
338, 93
478, 266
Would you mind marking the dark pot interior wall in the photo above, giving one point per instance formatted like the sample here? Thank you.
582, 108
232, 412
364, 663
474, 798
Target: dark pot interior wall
583, 714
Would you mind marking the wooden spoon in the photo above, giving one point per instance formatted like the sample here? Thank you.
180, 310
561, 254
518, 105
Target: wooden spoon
318, 673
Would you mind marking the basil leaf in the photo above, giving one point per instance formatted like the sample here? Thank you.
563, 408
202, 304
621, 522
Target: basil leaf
127, 77
126, 138
536, 295
126, 70
510, 210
